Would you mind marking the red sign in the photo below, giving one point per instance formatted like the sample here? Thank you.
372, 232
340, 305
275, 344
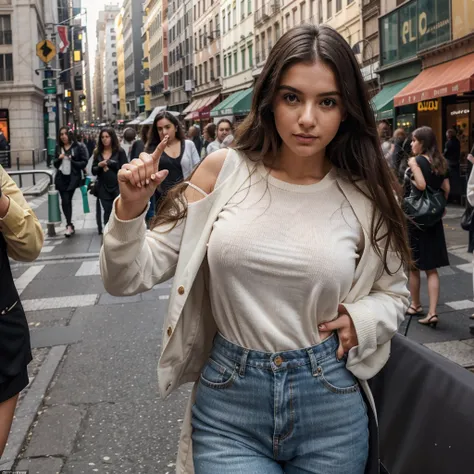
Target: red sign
63, 40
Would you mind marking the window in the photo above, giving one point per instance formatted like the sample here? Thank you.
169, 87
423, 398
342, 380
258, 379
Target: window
349, 2
249, 7
287, 21
203, 6
114, 55
206, 78
195, 41
250, 48
196, 73
195, 12
302, 12
234, 11
211, 29
225, 66
6, 67
200, 74
320, 9
229, 59
236, 66
257, 48
228, 19
277, 31
200, 39
211, 69
294, 17
218, 66
205, 35
262, 43
223, 22
199, 9
338, 5
242, 54
329, 9
218, 33
242, 9
311, 10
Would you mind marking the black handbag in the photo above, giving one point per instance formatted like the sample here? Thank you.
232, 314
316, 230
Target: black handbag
94, 188
466, 218
425, 210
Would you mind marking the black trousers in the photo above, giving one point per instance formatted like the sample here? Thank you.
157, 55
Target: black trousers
66, 204
98, 215
107, 205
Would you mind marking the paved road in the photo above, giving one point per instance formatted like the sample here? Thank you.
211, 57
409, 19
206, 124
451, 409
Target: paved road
92, 404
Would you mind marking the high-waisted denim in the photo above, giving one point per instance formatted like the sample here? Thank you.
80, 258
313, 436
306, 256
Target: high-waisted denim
290, 412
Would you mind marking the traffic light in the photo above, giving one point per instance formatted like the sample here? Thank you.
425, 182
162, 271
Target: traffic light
78, 83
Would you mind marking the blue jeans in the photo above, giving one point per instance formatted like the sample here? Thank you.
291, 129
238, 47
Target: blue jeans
291, 412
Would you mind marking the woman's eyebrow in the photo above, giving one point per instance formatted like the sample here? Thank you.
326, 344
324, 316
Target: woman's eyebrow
297, 91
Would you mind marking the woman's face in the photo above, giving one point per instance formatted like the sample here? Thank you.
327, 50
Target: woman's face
64, 137
165, 127
308, 112
205, 135
416, 147
106, 140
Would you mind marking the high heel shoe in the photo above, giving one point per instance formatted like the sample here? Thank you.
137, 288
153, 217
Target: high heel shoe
429, 322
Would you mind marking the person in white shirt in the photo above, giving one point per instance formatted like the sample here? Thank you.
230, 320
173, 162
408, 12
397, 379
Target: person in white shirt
224, 129
287, 256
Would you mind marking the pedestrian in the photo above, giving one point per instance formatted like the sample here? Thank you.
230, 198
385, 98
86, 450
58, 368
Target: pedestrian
470, 198
398, 153
109, 157
80, 142
91, 144
180, 156
224, 128
21, 239
427, 167
139, 145
129, 135
209, 136
384, 132
452, 153
287, 257
194, 134
70, 161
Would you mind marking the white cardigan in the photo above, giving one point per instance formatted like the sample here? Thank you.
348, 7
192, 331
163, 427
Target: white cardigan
133, 260
190, 158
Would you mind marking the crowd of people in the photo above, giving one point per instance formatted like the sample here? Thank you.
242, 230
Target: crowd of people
289, 245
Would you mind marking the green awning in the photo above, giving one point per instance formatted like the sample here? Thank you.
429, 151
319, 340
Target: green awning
238, 103
382, 103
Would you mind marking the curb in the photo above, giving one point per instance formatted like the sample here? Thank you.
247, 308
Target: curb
26, 412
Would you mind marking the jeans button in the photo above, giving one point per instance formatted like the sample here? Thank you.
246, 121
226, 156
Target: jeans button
278, 361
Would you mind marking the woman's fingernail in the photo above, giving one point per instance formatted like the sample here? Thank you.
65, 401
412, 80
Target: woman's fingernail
153, 176
147, 182
322, 327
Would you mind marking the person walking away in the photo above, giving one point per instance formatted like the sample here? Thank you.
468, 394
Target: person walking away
452, 153
129, 135
398, 153
139, 145
427, 168
21, 239
384, 132
224, 128
287, 256
109, 157
470, 198
194, 135
70, 161
209, 136
180, 156
91, 144
80, 142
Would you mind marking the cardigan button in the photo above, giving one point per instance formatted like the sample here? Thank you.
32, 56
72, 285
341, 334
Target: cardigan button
181, 290
169, 331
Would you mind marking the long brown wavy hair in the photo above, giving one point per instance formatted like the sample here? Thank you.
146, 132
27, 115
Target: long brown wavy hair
427, 139
355, 149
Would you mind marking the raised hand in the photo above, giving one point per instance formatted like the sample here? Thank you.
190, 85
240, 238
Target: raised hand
138, 181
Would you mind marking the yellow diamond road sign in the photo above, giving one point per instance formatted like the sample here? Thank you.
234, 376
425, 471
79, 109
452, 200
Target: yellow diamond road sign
45, 50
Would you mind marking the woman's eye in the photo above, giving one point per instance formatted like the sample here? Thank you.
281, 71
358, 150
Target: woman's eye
329, 103
291, 98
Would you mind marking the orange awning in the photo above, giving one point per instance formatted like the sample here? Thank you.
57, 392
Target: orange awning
450, 78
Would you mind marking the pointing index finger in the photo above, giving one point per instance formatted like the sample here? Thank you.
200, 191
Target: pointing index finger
160, 149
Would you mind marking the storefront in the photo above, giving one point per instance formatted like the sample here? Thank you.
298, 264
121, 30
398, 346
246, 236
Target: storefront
235, 108
199, 111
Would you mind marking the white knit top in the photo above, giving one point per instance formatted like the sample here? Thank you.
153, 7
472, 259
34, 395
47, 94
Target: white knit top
282, 257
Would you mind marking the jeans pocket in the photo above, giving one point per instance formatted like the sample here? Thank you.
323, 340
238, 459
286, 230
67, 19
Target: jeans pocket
334, 375
215, 375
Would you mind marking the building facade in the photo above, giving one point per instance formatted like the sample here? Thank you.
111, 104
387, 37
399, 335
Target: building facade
133, 55
111, 82
122, 94
180, 54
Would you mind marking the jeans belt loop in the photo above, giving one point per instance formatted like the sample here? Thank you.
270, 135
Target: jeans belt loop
243, 363
314, 362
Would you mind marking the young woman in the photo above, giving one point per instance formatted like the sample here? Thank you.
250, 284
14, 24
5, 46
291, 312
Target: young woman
209, 135
180, 156
287, 255
70, 161
21, 238
223, 130
427, 168
109, 157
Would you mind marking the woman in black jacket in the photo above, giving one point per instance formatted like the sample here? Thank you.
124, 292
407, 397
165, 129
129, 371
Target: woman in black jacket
109, 157
70, 162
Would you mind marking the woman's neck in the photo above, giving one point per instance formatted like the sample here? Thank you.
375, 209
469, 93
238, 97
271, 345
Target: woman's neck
300, 169
67, 145
107, 149
172, 142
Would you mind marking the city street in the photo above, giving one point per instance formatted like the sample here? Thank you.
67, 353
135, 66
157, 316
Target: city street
92, 404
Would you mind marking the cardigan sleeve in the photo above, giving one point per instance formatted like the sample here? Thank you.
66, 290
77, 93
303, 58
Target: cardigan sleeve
20, 226
134, 259
376, 319
470, 188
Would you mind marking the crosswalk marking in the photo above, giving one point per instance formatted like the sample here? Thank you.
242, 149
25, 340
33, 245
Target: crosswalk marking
89, 269
463, 304
466, 267
27, 277
47, 249
60, 302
